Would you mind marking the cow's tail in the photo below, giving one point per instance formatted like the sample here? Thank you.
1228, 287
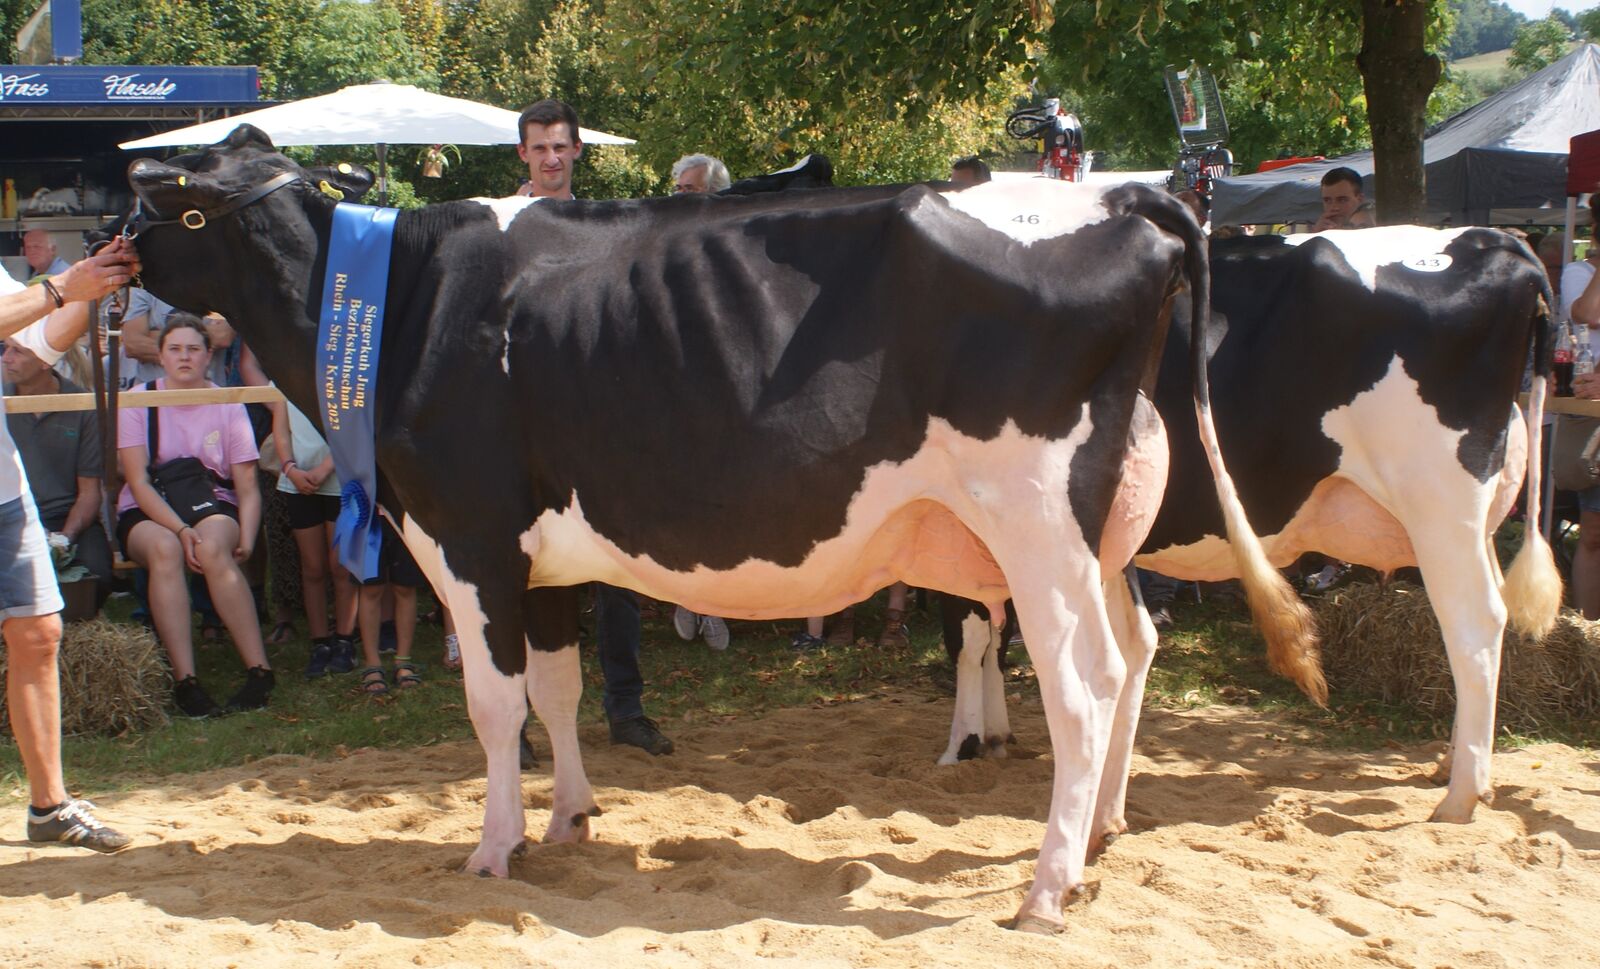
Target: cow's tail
1284, 621
1533, 586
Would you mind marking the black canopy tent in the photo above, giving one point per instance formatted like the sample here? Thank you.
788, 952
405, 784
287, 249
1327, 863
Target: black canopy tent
1502, 161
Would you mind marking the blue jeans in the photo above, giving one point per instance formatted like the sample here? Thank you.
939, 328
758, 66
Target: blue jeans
616, 630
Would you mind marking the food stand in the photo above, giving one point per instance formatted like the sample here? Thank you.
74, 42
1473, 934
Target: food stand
60, 167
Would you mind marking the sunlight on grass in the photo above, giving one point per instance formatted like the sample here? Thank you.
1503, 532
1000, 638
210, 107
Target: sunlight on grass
1211, 656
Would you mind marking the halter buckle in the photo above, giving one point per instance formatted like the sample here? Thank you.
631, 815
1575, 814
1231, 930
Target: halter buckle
199, 221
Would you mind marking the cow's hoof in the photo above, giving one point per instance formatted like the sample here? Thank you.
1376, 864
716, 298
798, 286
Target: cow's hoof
1454, 810
574, 829
971, 748
996, 748
1108, 836
521, 850
1038, 925
949, 759
484, 870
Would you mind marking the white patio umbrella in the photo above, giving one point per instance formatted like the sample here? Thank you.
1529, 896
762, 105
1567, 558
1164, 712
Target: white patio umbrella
379, 114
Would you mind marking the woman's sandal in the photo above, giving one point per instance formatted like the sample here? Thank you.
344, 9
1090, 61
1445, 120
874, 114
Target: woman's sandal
407, 674
281, 633
374, 682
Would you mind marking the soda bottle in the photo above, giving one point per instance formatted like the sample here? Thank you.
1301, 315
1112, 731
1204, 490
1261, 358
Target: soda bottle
1566, 350
1583, 360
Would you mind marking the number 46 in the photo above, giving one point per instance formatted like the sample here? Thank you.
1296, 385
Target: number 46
1026, 219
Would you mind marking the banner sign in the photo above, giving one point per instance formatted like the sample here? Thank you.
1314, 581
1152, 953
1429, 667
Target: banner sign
50, 84
349, 333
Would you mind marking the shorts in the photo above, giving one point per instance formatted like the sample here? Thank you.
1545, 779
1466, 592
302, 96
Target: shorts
395, 564
1589, 500
310, 511
27, 576
135, 515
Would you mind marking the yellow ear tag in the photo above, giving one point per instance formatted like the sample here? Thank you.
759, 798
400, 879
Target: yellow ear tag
345, 169
330, 191
183, 180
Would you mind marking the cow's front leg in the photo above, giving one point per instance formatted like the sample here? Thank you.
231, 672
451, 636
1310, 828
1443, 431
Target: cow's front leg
996, 719
496, 700
977, 641
555, 684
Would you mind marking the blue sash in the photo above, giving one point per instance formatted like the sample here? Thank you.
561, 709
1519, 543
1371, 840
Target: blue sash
349, 333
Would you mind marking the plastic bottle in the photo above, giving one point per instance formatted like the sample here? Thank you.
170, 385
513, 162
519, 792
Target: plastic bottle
8, 206
1583, 359
1562, 360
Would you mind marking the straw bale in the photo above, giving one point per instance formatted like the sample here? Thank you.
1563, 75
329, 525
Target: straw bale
114, 678
1385, 643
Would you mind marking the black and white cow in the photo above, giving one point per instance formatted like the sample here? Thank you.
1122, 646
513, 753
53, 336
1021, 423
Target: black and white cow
754, 407
1366, 395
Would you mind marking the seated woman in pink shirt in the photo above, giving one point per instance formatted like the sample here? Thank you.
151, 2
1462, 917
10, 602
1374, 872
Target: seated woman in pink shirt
218, 524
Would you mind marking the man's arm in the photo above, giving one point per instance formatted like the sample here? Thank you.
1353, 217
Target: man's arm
88, 279
1586, 308
85, 509
138, 342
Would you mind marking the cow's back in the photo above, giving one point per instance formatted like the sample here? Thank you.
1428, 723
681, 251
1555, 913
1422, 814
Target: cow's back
724, 360
1300, 330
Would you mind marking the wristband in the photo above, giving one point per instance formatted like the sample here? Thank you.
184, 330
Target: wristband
289, 464
55, 294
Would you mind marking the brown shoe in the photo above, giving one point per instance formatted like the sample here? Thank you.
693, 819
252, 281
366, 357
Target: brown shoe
842, 631
894, 632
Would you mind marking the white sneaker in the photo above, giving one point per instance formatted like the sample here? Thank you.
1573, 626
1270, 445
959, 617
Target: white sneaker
685, 622
715, 631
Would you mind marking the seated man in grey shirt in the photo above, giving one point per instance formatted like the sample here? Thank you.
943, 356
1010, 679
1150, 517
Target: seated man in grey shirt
62, 456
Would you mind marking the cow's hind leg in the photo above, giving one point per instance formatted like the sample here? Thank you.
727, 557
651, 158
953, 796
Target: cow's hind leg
1080, 673
1472, 616
555, 684
1136, 638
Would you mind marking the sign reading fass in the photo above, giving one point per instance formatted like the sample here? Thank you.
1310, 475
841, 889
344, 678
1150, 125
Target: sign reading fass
80, 84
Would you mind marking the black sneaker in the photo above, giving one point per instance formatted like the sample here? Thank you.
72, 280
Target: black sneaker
193, 699
257, 689
74, 823
321, 656
344, 655
640, 732
804, 642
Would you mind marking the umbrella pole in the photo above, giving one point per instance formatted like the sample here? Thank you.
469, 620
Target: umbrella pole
383, 173
1572, 217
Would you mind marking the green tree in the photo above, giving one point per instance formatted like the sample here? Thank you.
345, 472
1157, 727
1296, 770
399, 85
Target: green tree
1589, 24
1538, 45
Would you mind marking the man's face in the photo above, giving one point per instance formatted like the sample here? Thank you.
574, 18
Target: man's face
693, 181
20, 363
549, 151
38, 250
1340, 201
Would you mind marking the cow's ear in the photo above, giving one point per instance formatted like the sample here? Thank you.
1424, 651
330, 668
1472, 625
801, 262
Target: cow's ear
352, 180
169, 189
248, 135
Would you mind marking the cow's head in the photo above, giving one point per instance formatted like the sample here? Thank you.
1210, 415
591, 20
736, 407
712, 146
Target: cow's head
206, 219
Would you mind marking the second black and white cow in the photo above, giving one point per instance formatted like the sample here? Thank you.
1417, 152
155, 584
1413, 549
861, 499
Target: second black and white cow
1366, 395
755, 407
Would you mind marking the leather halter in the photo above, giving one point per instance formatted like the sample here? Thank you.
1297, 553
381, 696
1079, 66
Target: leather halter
138, 222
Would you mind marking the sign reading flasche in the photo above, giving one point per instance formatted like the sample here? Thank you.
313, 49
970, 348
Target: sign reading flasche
79, 84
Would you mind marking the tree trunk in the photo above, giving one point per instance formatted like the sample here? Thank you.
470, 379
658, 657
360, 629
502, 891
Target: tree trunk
1398, 74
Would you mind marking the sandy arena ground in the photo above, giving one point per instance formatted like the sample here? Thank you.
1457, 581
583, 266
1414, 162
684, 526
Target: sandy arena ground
829, 838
